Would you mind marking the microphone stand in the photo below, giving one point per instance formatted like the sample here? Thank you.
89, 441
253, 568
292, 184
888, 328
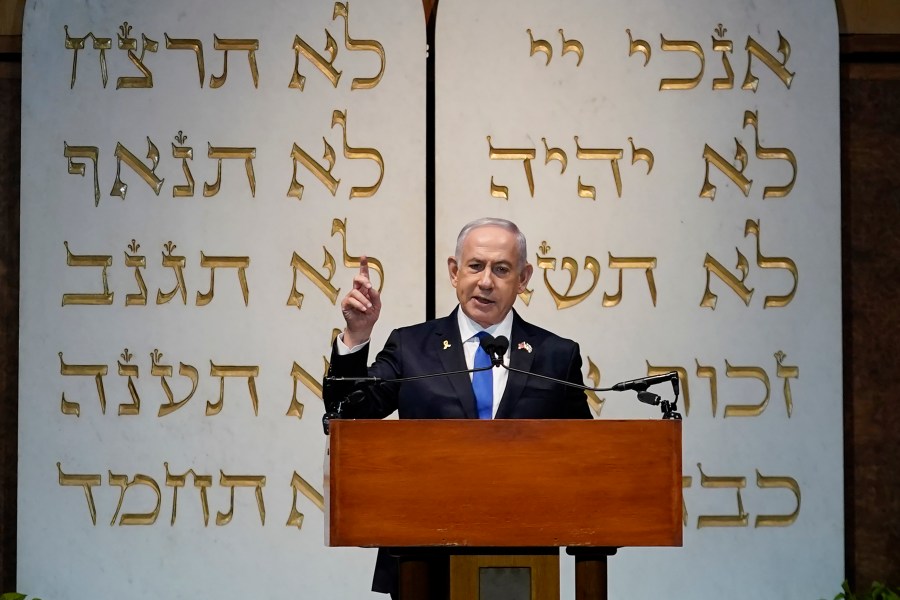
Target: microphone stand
669, 409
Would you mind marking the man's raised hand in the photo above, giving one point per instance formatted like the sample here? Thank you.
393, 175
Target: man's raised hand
360, 307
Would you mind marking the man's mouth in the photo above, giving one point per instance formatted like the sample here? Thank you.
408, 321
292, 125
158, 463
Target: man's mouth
482, 301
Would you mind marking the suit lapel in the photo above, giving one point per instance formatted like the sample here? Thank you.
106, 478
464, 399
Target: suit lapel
453, 358
519, 358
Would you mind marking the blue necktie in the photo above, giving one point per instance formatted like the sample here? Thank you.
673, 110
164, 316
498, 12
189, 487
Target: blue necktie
483, 382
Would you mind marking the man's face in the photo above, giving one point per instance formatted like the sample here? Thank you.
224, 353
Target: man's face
488, 276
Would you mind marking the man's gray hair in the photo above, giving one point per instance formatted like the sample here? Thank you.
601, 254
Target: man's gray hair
521, 244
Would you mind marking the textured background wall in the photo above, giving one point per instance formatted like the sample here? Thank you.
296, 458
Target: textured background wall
870, 87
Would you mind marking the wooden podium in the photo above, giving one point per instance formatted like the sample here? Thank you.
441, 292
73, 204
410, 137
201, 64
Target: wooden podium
504, 485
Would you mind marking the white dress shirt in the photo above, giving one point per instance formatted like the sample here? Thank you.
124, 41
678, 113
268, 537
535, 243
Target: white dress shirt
468, 330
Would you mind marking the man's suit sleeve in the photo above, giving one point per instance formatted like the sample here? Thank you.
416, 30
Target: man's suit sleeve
377, 400
576, 400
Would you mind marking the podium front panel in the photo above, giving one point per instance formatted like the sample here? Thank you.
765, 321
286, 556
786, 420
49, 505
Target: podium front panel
504, 483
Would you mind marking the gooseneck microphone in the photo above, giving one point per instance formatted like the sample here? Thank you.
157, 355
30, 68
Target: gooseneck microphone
641, 385
496, 349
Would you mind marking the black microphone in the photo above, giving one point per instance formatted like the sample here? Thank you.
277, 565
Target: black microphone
495, 348
643, 383
649, 398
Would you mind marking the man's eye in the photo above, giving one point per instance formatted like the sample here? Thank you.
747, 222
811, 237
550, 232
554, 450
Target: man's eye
501, 270
476, 266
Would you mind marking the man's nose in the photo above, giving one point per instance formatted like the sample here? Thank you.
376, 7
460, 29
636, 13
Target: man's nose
486, 281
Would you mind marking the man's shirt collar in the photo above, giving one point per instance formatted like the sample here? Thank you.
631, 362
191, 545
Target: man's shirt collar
468, 327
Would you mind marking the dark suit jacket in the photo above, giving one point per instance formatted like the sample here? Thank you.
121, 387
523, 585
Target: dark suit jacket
436, 347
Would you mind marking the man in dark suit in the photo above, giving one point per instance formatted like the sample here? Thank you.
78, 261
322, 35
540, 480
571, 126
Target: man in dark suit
488, 270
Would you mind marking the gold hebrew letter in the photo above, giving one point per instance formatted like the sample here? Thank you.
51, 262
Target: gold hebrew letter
176, 263
686, 481
86, 481
772, 191
648, 263
120, 188
557, 154
677, 83
174, 481
148, 518
747, 410
241, 263
233, 481
339, 117
726, 47
540, 46
323, 283
89, 260
240, 45
342, 9
789, 483
76, 44
77, 168
635, 46
300, 374
565, 300
526, 155
572, 45
137, 262
340, 226
326, 67
223, 371
611, 154
298, 484
778, 67
322, 174
738, 520
201, 482
737, 285
525, 296
786, 372
641, 46
593, 375
643, 154
126, 42
163, 371
709, 372
185, 153
221, 152
773, 262
733, 173
96, 371
129, 371
195, 45
682, 380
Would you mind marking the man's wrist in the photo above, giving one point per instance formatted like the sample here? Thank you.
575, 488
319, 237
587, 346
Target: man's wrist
346, 344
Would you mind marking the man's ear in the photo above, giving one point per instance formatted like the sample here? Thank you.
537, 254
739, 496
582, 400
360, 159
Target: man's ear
453, 269
525, 277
